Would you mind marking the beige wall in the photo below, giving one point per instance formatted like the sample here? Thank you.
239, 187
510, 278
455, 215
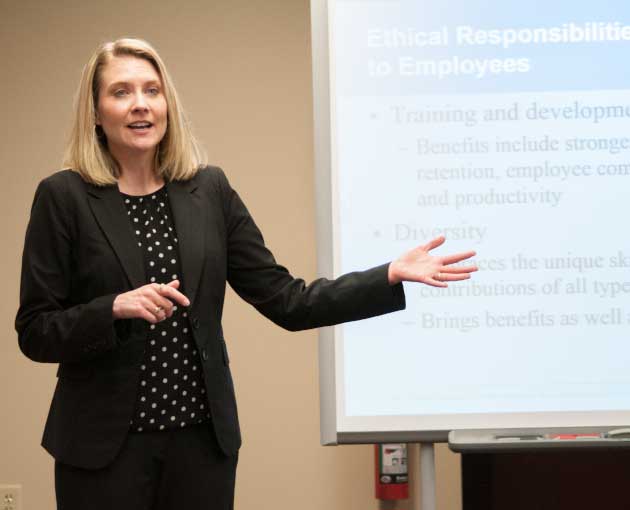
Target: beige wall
243, 71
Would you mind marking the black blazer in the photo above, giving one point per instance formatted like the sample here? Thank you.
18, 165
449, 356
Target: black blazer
80, 253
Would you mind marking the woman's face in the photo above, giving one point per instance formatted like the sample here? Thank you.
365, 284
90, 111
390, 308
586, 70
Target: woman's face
131, 107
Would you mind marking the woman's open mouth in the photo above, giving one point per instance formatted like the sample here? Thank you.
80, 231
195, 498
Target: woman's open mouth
140, 127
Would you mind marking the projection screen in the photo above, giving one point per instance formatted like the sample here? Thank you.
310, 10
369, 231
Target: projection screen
504, 127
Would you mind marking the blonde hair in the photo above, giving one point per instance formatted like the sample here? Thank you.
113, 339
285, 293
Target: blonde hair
178, 156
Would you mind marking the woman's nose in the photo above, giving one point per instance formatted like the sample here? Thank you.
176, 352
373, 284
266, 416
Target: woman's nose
140, 102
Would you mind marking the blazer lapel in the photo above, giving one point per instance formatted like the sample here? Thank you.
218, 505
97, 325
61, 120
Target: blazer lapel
111, 215
189, 217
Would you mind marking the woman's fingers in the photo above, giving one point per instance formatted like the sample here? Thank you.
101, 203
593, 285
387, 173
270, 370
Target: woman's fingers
434, 282
152, 317
450, 277
459, 269
156, 307
457, 257
144, 309
147, 316
170, 291
434, 243
162, 299
158, 301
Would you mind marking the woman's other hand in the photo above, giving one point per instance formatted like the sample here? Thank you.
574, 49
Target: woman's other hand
153, 302
418, 265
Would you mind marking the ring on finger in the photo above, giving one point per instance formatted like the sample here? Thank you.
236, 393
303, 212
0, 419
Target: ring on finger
438, 276
158, 309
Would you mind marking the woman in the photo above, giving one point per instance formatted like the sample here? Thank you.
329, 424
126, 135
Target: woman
126, 258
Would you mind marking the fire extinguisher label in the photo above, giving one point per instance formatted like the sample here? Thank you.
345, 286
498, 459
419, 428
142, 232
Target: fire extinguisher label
391, 480
393, 463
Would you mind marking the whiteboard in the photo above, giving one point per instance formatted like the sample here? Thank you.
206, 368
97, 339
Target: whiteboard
504, 127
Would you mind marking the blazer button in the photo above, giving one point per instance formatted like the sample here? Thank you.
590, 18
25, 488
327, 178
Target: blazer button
204, 355
195, 323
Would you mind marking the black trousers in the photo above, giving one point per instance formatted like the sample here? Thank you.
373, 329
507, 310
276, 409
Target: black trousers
168, 470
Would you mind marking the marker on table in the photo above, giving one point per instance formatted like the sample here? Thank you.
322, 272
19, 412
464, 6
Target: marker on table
570, 437
623, 433
529, 437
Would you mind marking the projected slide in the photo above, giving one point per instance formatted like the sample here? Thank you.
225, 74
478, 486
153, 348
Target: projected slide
506, 128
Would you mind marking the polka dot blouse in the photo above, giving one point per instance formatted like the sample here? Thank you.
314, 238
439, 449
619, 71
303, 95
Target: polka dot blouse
172, 391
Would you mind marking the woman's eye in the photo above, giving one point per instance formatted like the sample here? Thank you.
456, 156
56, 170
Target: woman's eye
120, 93
154, 91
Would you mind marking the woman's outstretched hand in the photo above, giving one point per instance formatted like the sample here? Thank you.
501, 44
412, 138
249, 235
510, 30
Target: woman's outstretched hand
418, 265
153, 302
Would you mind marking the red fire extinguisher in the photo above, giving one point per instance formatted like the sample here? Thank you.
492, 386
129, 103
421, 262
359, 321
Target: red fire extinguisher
391, 473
